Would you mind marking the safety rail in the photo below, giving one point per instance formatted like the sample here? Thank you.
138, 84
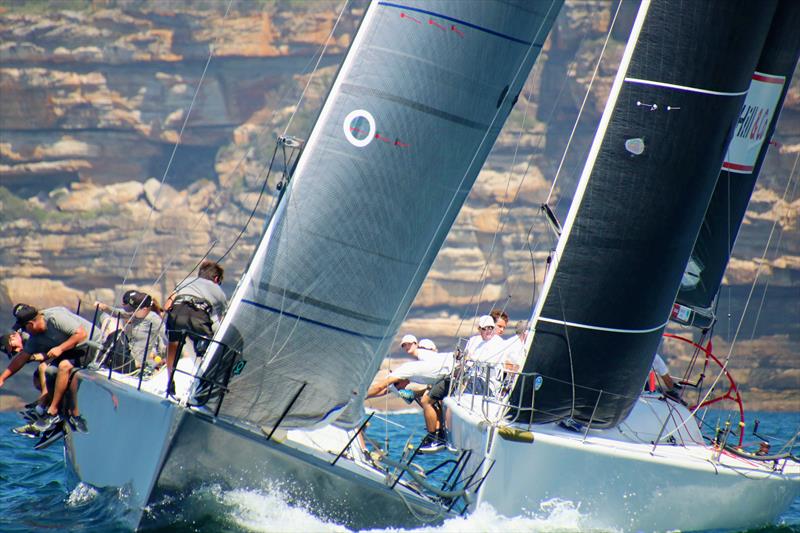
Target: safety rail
211, 386
492, 383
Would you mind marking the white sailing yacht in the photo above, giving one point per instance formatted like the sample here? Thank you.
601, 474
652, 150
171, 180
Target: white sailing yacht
576, 425
278, 397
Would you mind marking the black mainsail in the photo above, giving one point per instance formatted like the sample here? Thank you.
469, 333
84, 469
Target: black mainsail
414, 110
746, 153
639, 204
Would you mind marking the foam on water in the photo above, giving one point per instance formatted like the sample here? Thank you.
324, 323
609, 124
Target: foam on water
81, 495
268, 510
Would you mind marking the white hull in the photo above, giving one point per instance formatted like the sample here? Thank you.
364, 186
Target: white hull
148, 446
618, 479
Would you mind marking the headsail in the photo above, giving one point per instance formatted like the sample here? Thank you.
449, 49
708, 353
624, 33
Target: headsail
409, 121
639, 204
746, 153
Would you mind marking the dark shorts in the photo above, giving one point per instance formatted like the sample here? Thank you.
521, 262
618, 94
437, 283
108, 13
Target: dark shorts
49, 376
186, 318
440, 389
76, 356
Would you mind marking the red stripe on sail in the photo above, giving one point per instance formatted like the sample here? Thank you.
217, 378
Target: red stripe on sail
769, 79
734, 166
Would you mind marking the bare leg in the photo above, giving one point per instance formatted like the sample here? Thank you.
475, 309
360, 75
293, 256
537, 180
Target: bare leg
62, 379
42, 384
429, 412
172, 350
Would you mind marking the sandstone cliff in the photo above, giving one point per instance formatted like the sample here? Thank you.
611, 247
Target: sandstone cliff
128, 152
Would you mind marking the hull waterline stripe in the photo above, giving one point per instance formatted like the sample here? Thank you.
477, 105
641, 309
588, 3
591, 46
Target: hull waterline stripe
601, 328
360, 91
311, 321
297, 297
683, 87
467, 24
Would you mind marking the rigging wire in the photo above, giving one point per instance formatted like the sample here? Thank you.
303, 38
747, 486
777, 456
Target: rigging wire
205, 213
311, 77
583, 104
146, 226
258, 201
766, 285
504, 217
475, 152
724, 365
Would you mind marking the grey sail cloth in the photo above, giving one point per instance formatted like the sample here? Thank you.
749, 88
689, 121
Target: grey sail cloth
410, 119
746, 154
638, 207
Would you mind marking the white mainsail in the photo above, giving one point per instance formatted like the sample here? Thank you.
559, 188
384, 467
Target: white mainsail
409, 121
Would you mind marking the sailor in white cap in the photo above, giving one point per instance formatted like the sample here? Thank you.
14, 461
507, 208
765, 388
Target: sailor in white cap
428, 367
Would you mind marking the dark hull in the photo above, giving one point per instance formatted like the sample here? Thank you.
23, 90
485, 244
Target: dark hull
150, 447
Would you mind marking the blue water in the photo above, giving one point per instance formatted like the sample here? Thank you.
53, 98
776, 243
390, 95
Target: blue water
34, 495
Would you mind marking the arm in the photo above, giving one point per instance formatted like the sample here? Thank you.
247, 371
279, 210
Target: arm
14, 366
170, 300
75, 339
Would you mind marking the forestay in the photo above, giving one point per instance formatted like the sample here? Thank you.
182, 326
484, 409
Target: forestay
751, 140
638, 206
410, 119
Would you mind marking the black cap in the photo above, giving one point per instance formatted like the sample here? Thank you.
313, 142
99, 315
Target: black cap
136, 300
24, 313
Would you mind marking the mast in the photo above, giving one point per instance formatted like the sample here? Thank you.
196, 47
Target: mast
412, 114
737, 179
640, 201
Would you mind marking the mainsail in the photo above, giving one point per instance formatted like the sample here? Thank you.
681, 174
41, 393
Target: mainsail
746, 153
639, 204
415, 108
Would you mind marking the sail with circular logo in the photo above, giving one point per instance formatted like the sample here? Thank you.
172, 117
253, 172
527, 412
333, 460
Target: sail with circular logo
410, 118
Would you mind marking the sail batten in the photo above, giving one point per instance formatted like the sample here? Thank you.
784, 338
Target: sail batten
391, 159
631, 227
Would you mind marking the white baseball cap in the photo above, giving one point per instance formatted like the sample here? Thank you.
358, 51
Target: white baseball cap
408, 338
427, 344
485, 321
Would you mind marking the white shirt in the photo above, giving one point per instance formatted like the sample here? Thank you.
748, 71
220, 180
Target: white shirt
482, 351
514, 351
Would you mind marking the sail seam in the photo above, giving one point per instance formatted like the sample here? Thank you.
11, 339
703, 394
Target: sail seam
310, 320
296, 296
684, 87
359, 90
465, 23
601, 328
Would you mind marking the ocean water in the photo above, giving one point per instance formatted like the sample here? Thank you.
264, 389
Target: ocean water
34, 494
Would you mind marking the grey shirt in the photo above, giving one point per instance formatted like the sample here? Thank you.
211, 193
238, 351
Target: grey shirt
61, 325
208, 291
146, 333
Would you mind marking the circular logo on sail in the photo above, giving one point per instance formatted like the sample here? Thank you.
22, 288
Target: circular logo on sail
359, 127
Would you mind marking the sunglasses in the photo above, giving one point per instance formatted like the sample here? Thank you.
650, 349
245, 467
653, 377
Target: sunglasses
487, 328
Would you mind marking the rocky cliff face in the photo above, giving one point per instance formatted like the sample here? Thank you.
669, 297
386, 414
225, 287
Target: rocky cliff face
128, 152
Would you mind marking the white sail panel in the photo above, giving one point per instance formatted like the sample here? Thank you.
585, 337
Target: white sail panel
411, 117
